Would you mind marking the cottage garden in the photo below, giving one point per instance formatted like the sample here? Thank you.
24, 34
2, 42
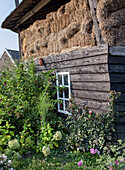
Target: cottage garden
34, 136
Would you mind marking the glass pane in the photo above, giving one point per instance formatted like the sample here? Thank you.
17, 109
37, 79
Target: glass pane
60, 93
65, 79
66, 90
60, 79
61, 104
67, 105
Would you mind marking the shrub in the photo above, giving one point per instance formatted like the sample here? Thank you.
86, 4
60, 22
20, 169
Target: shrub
27, 103
87, 129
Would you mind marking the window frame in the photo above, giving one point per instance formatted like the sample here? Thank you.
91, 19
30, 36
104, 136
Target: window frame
63, 85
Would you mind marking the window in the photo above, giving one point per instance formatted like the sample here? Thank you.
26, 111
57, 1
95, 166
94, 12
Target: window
63, 91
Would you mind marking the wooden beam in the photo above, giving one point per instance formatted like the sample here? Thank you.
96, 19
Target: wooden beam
93, 6
17, 3
40, 5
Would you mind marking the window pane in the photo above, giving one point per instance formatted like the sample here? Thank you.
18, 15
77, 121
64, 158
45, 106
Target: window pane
67, 105
61, 104
60, 93
65, 79
60, 79
66, 90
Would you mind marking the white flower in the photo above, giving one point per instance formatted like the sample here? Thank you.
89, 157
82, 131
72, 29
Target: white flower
46, 150
58, 135
4, 157
14, 144
10, 162
1, 162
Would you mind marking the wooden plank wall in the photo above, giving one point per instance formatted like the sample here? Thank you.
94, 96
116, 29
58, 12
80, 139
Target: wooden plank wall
88, 67
117, 78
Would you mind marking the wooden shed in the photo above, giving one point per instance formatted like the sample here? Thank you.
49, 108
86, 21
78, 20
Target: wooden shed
84, 40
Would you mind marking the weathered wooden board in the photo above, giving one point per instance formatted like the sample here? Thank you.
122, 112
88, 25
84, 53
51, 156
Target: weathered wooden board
117, 68
119, 87
116, 59
94, 95
120, 107
102, 68
94, 105
76, 54
121, 127
117, 51
79, 62
121, 119
117, 77
92, 86
121, 136
121, 98
99, 77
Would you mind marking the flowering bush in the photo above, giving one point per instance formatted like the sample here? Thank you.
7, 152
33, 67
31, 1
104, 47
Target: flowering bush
86, 129
22, 94
4, 162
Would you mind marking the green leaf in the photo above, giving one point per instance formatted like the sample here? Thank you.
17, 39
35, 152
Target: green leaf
11, 133
56, 144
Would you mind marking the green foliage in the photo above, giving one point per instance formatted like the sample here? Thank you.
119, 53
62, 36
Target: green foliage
48, 138
6, 133
112, 156
87, 129
27, 102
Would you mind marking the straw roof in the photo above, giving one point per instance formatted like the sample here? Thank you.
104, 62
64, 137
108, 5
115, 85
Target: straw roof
29, 11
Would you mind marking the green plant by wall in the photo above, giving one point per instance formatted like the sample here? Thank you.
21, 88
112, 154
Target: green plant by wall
86, 129
26, 101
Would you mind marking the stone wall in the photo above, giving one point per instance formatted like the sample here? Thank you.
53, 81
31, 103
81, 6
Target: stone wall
71, 26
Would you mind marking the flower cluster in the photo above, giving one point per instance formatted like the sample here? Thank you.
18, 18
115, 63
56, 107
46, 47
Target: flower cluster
14, 144
57, 136
116, 162
46, 150
79, 163
94, 151
4, 163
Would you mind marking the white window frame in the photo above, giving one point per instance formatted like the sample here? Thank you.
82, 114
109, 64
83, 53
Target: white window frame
69, 91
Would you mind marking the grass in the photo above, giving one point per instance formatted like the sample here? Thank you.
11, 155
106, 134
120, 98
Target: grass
56, 161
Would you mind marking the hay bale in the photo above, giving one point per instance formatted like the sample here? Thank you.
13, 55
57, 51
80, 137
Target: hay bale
72, 29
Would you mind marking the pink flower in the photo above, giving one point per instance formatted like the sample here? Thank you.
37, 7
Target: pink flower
90, 111
93, 151
116, 162
121, 160
80, 163
110, 168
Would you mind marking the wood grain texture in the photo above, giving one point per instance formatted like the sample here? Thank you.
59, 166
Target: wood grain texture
94, 95
92, 86
98, 77
77, 54
97, 106
117, 51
